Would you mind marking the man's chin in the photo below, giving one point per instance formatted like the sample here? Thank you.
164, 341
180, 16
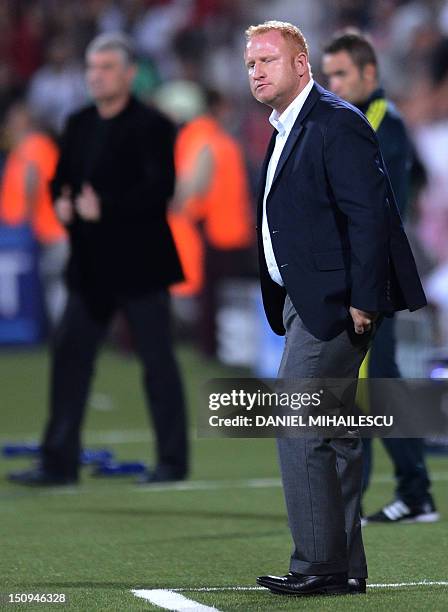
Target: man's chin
102, 97
264, 99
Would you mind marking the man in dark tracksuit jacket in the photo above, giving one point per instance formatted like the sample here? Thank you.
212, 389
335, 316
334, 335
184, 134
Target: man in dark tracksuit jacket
113, 183
350, 64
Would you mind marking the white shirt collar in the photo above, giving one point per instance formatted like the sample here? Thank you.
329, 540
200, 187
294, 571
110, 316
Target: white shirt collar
283, 123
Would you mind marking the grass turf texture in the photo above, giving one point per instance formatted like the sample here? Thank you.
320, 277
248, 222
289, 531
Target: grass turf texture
97, 542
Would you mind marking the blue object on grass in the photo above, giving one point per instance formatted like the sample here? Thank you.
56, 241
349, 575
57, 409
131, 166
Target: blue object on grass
89, 456
120, 468
96, 457
21, 450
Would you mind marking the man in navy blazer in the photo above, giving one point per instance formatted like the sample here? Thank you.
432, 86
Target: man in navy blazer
334, 259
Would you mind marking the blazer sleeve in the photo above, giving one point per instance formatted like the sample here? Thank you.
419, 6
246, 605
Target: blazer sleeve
397, 154
359, 186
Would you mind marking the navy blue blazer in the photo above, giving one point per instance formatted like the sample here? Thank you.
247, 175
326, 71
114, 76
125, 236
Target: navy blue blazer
336, 231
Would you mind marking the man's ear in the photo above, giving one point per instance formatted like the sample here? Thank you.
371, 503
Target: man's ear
301, 63
369, 73
132, 71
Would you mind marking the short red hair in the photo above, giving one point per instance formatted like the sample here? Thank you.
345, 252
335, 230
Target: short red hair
287, 30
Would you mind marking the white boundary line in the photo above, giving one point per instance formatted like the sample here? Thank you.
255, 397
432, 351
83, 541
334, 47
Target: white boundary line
101, 436
110, 436
214, 485
396, 585
254, 483
171, 599
189, 485
386, 585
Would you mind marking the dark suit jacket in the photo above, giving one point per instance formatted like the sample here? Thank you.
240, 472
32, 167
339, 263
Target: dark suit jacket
335, 227
128, 160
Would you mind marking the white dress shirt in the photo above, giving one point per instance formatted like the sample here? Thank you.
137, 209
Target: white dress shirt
283, 124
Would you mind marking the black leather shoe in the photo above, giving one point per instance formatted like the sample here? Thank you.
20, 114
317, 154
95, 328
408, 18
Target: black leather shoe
299, 584
38, 477
356, 586
161, 474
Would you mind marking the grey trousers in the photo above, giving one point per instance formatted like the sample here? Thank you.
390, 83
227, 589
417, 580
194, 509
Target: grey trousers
322, 477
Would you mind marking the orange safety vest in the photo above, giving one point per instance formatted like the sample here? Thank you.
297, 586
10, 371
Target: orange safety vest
225, 209
42, 152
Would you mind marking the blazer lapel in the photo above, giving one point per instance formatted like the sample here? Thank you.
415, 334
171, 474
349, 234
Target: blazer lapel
263, 172
287, 149
297, 129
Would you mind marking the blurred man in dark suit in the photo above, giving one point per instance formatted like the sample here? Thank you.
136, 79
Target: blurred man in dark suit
333, 260
112, 185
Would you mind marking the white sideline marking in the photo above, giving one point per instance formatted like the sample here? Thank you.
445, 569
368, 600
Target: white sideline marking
195, 485
212, 485
170, 600
385, 478
254, 483
387, 585
102, 436
395, 585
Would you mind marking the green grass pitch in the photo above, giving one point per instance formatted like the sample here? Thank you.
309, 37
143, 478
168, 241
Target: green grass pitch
97, 542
